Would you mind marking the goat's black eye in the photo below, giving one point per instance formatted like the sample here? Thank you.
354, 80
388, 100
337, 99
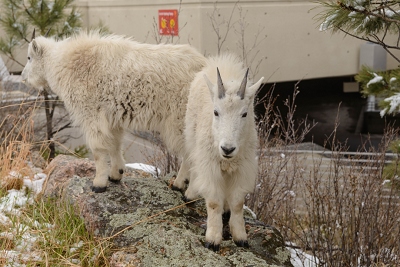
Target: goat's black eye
216, 113
29, 58
244, 115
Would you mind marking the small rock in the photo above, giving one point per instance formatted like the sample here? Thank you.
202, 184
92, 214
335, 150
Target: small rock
61, 169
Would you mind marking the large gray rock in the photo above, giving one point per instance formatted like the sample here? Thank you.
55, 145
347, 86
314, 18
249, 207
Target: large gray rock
153, 226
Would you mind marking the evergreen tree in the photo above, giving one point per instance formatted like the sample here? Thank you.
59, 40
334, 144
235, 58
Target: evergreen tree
372, 21
19, 18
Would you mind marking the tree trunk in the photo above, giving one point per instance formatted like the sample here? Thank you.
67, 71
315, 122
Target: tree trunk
49, 109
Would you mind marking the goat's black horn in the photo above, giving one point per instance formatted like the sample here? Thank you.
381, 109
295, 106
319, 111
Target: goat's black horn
242, 88
47, 33
33, 34
221, 89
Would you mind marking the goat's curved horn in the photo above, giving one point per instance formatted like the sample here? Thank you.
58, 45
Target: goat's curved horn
47, 33
242, 88
33, 34
221, 89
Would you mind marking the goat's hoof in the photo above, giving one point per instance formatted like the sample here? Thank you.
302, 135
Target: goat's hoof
98, 189
242, 243
186, 200
175, 188
115, 181
212, 246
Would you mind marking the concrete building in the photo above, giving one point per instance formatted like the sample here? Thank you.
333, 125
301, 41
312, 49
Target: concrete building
286, 33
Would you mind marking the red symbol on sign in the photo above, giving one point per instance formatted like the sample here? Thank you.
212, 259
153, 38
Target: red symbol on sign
168, 22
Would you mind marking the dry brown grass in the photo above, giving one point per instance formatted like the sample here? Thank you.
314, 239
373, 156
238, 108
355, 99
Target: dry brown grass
15, 146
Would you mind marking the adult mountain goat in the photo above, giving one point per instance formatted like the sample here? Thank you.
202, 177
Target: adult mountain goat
111, 83
221, 140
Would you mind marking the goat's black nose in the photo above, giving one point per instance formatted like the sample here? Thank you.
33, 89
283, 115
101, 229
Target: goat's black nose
228, 150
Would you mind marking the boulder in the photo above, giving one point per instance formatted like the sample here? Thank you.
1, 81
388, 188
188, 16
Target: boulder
150, 225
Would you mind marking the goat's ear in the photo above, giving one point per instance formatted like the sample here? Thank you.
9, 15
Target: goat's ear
252, 90
36, 48
209, 85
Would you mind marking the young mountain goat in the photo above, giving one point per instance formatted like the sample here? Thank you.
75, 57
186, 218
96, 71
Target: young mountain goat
111, 83
221, 141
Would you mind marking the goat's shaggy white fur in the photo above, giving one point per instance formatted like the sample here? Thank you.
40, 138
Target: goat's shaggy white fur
111, 83
221, 140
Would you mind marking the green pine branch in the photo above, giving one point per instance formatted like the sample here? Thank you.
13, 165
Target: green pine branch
18, 18
383, 84
370, 21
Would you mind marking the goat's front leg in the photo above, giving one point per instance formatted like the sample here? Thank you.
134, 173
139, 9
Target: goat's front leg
236, 221
215, 209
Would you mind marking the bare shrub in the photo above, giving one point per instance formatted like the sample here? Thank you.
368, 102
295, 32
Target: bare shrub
248, 47
352, 216
274, 199
335, 204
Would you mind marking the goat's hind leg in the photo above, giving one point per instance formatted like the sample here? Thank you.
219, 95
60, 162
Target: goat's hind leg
100, 180
182, 177
117, 160
104, 145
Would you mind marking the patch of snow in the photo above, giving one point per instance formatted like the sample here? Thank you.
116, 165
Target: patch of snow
23, 237
4, 220
76, 247
253, 214
376, 79
352, 14
394, 102
327, 23
359, 8
50, 5
76, 261
299, 258
66, 24
14, 199
14, 174
290, 193
144, 167
36, 184
389, 13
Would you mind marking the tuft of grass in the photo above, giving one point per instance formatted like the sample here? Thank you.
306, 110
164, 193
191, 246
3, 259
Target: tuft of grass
48, 232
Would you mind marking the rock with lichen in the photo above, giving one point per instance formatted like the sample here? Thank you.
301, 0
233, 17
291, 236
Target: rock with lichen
152, 226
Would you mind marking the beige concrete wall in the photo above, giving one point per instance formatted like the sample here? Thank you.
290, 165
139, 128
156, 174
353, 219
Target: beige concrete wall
293, 48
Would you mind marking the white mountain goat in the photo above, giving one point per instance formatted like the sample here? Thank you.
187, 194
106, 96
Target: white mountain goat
221, 140
111, 83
